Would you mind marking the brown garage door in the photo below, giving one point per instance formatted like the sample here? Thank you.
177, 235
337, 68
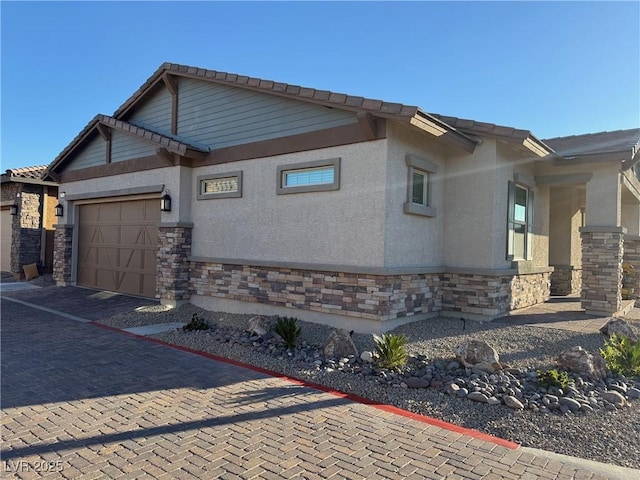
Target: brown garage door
117, 244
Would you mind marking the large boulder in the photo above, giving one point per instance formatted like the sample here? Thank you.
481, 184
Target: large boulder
579, 360
619, 327
339, 344
258, 325
478, 354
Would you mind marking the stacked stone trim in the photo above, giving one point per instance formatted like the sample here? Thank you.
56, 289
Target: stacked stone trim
62, 254
566, 280
530, 289
602, 256
476, 294
173, 279
632, 256
26, 233
377, 297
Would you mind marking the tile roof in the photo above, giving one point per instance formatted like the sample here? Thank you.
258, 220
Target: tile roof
35, 172
472, 127
597, 143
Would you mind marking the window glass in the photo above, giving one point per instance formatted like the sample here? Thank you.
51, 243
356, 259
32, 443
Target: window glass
418, 188
520, 211
219, 185
519, 241
310, 176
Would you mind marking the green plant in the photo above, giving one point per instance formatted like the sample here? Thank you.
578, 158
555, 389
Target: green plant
621, 355
288, 329
195, 324
553, 378
391, 350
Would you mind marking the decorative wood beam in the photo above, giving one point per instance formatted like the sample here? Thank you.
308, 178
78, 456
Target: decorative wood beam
166, 155
368, 125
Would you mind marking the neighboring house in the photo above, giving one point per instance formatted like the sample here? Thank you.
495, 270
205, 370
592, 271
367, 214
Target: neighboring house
338, 209
27, 212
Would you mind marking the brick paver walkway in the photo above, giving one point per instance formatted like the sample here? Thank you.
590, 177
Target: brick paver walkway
82, 402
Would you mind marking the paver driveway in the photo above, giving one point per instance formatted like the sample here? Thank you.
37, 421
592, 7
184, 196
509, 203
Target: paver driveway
79, 401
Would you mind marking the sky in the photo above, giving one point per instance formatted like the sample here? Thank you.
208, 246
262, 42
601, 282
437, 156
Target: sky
554, 68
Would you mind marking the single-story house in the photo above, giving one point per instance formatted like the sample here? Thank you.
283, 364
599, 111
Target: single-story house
252, 196
27, 212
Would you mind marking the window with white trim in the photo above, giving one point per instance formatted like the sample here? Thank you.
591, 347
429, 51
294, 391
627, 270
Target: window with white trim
520, 222
312, 176
420, 172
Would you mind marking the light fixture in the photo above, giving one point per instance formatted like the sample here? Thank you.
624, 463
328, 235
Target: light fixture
13, 209
165, 202
59, 210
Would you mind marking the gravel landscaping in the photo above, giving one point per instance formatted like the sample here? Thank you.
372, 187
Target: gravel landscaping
580, 421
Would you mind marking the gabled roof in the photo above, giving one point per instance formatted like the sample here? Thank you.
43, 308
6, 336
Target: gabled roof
35, 172
378, 108
97, 125
499, 132
627, 141
34, 175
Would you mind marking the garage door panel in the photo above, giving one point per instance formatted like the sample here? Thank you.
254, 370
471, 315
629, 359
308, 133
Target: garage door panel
117, 246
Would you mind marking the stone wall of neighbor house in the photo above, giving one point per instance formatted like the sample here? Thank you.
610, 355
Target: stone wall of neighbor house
476, 294
529, 289
566, 280
632, 256
62, 254
173, 280
602, 255
377, 297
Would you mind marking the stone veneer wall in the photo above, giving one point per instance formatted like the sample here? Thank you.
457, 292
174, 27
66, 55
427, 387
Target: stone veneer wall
378, 297
476, 294
26, 233
602, 255
566, 280
529, 289
173, 279
62, 254
632, 256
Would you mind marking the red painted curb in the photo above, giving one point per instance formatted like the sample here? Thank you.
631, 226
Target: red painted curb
380, 406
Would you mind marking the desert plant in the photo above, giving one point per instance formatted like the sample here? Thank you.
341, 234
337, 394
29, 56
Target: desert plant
621, 355
287, 328
553, 378
391, 350
195, 324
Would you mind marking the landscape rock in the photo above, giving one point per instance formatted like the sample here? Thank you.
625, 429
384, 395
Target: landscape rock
513, 402
619, 327
478, 397
579, 360
339, 344
366, 356
614, 397
415, 382
478, 354
258, 325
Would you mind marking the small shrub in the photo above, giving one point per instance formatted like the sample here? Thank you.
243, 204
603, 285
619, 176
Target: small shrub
391, 350
621, 355
288, 329
553, 378
195, 324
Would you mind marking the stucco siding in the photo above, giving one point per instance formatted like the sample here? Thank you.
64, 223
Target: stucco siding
339, 227
221, 116
126, 147
470, 203
93, 153
155, 113
413, 240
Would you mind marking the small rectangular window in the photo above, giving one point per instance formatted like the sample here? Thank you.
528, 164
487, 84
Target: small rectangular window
419, 183
421, 172
224, 185
520, 222
313, 176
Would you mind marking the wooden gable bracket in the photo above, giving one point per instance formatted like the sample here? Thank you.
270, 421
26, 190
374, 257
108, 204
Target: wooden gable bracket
170, 83
367, 124
104, 132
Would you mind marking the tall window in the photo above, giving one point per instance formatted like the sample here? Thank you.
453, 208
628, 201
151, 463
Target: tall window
520, 222
419, 185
